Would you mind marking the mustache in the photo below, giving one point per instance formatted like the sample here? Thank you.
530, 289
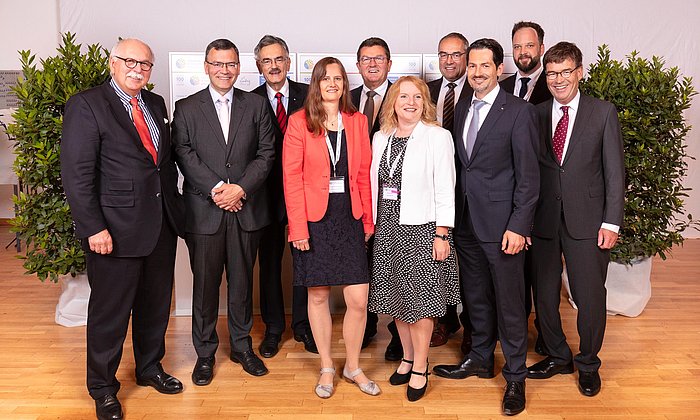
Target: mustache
275, 71
524, 55
135, 75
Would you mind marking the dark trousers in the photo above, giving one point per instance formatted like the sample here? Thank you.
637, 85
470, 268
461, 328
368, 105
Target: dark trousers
530, 295
140, 287
234, 249
270, 256
586, 266
494, 289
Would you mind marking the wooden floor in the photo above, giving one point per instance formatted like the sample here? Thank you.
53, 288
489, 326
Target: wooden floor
651, 366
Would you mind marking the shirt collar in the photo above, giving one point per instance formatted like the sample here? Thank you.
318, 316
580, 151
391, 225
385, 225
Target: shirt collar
215, 96
573, 104
381, 90
534, 76
284, 91
121, 94
459, 82
490, 98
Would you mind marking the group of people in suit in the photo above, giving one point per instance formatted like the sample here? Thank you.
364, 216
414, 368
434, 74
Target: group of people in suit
410, 196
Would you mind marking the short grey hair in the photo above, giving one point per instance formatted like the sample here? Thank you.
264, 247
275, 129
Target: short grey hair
268, 40
121, 41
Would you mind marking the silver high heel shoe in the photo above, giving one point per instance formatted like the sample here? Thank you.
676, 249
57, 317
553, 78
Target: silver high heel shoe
325, 391
369, 388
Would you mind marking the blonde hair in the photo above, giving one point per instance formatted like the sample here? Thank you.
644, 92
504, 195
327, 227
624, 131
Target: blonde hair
388, 118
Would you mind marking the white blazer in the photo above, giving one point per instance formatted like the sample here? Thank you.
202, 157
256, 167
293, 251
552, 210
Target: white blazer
427, 176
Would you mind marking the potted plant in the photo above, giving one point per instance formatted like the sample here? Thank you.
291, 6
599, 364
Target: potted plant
43, 218
650, 101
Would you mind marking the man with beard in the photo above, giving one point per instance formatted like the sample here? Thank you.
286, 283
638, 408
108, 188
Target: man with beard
530, 84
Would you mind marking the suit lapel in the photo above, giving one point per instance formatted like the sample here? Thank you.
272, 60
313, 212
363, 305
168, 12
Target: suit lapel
206, 105
546, 130
494, 114
237, 111
582, 114
460, 118
295, 101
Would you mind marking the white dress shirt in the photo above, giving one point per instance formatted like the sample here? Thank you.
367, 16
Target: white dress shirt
483, 112
285, 96
215, 97
530, 85
443, 91
378, 98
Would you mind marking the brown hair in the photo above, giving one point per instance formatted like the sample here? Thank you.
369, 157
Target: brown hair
560, 52
313, 105
388, 118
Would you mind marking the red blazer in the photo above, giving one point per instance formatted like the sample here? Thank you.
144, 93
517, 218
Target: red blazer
306, 169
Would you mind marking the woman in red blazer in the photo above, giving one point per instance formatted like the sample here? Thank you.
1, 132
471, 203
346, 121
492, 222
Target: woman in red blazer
325, 161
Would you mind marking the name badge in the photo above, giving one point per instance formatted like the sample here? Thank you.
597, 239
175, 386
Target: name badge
390, 193
337, 185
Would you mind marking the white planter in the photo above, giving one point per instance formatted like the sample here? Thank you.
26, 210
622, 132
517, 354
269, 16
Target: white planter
72, 307
628, 287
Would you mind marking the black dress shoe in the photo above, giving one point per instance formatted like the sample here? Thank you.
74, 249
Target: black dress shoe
397, 378
108, 408
467, 368
308, 340
539, 346
270, 345
547, 367
162, 382
250, 361
394, 351
203, 371
415, 394
514, 398
588, 383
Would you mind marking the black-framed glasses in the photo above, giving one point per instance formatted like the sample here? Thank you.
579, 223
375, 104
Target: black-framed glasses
131, 63
380, 59
552, 75
277, 60
219, 65
455, 55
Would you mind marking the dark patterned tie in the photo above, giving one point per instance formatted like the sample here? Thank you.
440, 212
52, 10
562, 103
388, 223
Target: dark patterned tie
281, 113
448, 108
369, 110
142, 128
560, 134
523, 87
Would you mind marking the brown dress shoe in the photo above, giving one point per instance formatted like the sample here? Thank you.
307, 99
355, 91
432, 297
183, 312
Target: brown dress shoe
440, 335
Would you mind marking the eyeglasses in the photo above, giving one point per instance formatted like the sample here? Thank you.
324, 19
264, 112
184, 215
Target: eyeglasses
455, 55
219, 65
268, 61
131, 63
552, 75
380, 59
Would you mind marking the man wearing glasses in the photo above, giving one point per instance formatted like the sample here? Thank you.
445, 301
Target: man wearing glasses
445, 92
578, 215
120, 179
224, 144
374, 64
284, 97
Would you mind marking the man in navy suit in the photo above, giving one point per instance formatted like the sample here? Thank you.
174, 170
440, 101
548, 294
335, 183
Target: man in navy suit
578, 215
120, 179
497, 187
285, 97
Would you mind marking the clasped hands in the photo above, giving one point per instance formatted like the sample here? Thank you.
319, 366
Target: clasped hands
229, 197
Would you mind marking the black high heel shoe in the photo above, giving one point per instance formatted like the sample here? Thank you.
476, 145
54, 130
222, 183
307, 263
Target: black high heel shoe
401, 378
415, 394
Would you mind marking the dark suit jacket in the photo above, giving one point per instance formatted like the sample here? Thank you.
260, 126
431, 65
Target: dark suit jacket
355, 97
297, 96
435, 85
501, 180
540, 93
589, 186
205, 158
110, 179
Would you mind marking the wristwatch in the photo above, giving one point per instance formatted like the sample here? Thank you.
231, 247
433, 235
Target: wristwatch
443, 237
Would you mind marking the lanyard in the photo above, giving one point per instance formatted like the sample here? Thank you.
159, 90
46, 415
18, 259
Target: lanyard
392, 166
335, 157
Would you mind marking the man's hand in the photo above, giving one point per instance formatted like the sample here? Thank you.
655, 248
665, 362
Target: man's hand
301, 244
512, 243
229, 197
101, 242
606, 238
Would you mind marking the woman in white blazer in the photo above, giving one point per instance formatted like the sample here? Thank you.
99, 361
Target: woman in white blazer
414, 270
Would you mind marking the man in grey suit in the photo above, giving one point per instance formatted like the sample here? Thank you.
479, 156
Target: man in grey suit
578, 215
284, 97
497, 187
225, 149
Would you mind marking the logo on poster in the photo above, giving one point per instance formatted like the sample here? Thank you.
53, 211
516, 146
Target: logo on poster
309, 64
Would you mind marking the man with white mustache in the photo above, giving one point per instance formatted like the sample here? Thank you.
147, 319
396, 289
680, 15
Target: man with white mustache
225, 149
120, 179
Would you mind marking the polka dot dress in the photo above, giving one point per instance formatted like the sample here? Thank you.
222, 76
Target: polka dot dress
406, 282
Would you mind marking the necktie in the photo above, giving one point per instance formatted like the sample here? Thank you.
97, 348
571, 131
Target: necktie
448, 108
560, 134
142, 128
223, 116
281, 113
473, 126
369, 110
523, 87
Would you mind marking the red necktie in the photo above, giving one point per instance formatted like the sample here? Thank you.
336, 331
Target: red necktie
560, 134
142, 128
281, 114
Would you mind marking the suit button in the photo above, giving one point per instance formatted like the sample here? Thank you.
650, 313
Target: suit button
558, 197
228, 165
157, 169
561, 171
158, 195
